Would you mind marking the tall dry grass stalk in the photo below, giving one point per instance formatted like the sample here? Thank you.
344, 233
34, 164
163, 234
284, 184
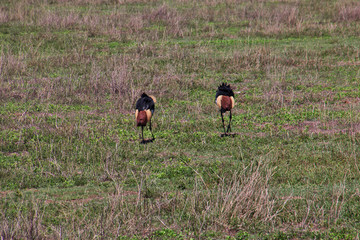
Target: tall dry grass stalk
11, 64
25, 223
349, 13
245, 197
230, 205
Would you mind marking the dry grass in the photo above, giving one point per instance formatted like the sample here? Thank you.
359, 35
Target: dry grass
245, 196
349, 12
71, 72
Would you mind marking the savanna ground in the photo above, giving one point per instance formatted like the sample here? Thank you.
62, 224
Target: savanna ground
71, 166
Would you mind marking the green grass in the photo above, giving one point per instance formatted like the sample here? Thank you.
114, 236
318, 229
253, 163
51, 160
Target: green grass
71, 162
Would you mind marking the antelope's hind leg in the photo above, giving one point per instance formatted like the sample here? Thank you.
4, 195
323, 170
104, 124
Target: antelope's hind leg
222, 119
229, 126
142, 134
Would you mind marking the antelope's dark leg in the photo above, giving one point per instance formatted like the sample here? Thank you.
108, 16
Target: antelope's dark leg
151, 131
229, 127
222, 118
142, 133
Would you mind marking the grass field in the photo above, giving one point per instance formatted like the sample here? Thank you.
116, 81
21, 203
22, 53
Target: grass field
71, 162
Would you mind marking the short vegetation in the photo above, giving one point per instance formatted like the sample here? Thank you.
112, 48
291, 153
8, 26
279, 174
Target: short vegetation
71, 162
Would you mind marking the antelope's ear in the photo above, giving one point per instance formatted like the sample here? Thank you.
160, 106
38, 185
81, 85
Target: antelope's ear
218, 101
153, 98
136, 113
232, 102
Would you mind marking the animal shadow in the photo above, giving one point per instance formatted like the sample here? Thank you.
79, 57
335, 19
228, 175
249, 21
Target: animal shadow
228, 134
147, 141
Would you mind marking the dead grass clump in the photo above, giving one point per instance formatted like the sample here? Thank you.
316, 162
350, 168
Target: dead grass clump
113, 24
163, 13
4, 15
11, 64
257, 58
64, 20
123, 86
168, 16
166, 83
283, 14
111, 79
274, 20
136, 23
281, 20
115, 80
21, 224
247, 196
349, 13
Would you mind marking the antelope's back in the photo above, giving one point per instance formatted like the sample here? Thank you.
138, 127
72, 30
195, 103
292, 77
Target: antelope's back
224, 97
